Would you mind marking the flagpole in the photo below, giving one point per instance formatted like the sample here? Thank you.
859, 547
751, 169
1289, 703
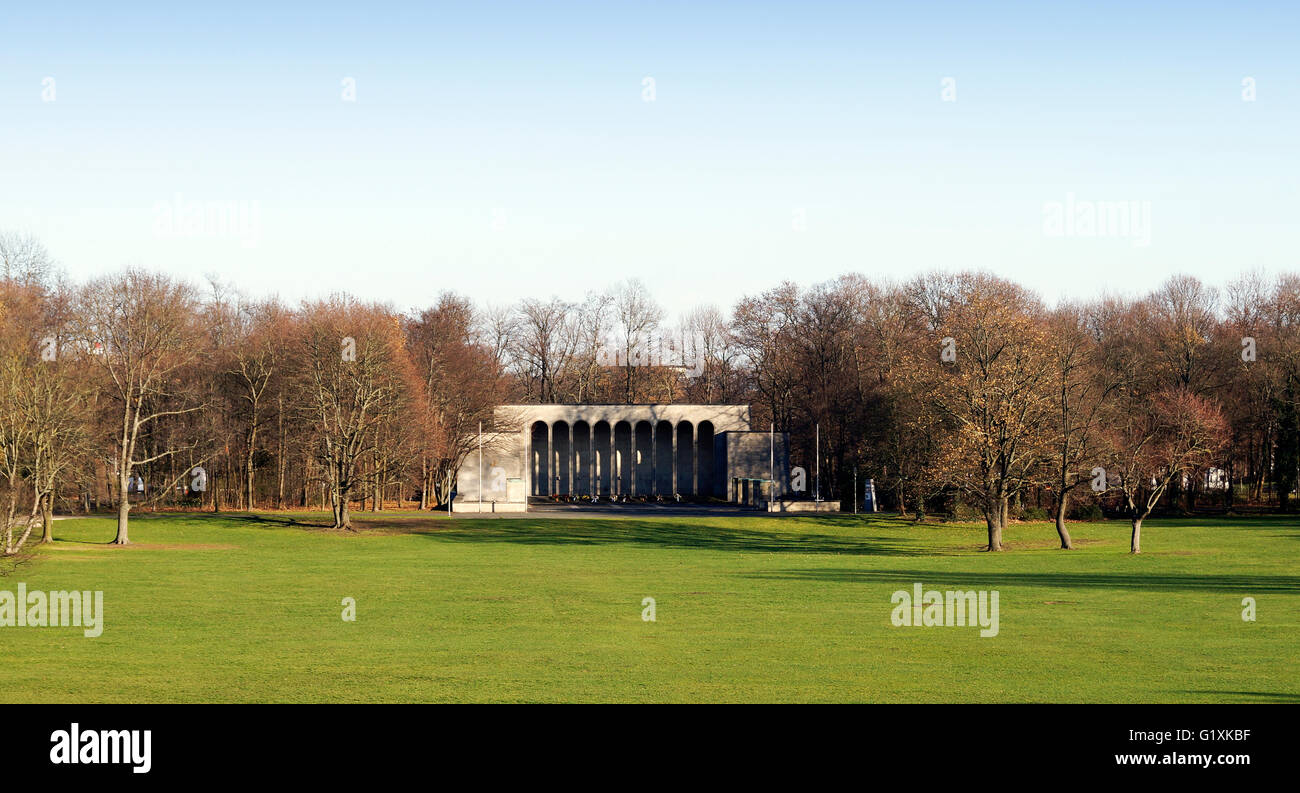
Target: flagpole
819, 462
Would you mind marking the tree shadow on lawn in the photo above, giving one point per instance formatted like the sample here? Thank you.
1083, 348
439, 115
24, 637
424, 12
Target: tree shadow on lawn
282, 520
1245, 522
618, 531
1227, 584
670, 534
1254, 696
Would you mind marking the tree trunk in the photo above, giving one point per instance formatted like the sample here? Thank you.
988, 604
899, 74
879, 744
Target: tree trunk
1136, 545
1064, 533
123, 507
995, 528
47, 518
279, 454
249, 463
344, 519
9, 519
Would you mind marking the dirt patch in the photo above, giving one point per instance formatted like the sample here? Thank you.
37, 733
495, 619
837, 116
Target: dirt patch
1045, 544
179, 546
142, 546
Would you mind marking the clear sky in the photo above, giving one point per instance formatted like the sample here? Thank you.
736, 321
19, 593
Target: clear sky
507, 150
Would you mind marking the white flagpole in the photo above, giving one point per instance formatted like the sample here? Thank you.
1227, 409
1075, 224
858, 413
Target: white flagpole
480, 466
819, 463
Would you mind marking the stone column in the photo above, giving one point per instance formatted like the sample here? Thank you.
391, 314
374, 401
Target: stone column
632, 463
550, 458
674, 480
571, 461
593, 484
695, 459
654, 459
612, 462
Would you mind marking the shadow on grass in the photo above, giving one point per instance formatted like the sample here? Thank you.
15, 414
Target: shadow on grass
669, 534
1253, 696
1229, 584
697, 533
281, 520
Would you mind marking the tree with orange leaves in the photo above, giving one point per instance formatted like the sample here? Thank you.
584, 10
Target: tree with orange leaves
987, 378
353, 376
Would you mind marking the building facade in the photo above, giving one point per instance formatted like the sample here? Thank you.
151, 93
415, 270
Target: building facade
603, 451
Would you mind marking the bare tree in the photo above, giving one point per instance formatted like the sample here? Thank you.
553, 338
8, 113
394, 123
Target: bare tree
255, 362
56, 404
496, 329
353, 376
1157, 439
638, 317
591, 327
24, 259
138, 329
543, 344
462, 383
712, 350
1080, 387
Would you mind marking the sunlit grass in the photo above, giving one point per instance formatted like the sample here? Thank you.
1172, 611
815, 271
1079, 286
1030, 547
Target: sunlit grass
247, 608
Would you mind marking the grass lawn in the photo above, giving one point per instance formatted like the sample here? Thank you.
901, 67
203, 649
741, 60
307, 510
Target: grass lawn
247, 608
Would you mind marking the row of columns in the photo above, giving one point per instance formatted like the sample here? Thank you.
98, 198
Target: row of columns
546, 469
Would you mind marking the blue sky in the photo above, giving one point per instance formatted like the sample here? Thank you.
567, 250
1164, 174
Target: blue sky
507, 150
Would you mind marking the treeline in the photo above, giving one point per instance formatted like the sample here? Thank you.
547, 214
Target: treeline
957, 393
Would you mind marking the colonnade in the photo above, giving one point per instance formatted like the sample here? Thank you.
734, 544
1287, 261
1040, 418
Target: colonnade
625, 458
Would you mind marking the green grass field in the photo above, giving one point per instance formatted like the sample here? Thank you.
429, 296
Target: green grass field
248, 608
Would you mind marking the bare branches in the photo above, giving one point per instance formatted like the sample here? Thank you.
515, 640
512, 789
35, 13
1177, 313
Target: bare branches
139, 329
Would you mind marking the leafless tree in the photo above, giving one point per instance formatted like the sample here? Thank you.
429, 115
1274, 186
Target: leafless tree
543, 345
638, 318
138, 329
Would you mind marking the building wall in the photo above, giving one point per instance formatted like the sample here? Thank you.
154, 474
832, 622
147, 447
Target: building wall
503, 470
749, 455
604, 449
620, 449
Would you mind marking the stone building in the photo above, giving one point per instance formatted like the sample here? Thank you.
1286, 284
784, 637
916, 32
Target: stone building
572, 451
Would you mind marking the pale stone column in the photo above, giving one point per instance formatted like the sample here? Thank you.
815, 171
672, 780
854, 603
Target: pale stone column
695, 459
612, 462
654, 459
571, 461
674, 480
592, 483
632, 462
550, 457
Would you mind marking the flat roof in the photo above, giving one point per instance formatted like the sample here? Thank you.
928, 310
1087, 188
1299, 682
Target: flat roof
627, 404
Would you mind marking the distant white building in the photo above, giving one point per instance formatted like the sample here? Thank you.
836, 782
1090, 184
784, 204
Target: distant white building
617, 450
